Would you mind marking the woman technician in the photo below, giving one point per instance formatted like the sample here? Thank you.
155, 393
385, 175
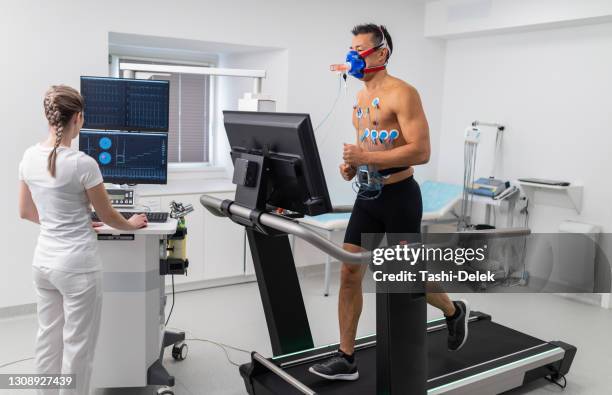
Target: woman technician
57, 185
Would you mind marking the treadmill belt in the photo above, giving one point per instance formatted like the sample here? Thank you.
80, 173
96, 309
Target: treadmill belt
487, 341
366, 361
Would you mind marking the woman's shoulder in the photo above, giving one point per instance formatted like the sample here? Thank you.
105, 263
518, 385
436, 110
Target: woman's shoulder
83, 161
31, 150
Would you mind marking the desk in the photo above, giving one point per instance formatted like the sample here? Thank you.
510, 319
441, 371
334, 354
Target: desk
132, 329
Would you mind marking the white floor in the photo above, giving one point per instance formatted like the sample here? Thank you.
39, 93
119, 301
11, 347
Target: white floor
234, 315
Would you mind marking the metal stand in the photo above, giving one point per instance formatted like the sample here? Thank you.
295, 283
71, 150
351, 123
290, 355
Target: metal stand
401, 344
280, 292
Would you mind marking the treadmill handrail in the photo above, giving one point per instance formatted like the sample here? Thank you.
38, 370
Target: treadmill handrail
289, 226
297, 384
213, 204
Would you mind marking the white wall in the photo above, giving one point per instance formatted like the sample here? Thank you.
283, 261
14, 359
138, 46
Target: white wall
230, 90
454, 18
552, 89
43, 43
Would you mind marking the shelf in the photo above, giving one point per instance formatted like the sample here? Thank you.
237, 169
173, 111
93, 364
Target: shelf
494, 202
554, 195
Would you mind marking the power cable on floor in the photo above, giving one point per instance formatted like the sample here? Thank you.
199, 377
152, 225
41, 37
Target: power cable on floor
224, 347
15, 362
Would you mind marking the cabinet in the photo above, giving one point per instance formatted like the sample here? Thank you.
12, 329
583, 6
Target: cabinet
224, 245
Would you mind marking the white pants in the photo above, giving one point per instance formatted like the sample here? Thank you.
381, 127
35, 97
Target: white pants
69, 311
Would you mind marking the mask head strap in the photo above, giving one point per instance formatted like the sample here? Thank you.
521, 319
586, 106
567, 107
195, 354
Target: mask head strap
383, 44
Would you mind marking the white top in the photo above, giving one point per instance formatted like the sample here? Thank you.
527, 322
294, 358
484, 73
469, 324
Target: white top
67, 241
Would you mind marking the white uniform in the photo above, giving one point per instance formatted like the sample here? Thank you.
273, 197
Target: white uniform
66, 265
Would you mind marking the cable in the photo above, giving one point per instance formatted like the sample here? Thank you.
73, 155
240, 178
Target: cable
15, 362
499, 135
224, 347
556, 382
171, 307
333, 107
219, 344
469, 169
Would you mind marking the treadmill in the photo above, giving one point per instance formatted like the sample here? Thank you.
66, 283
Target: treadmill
276, 164
501, 359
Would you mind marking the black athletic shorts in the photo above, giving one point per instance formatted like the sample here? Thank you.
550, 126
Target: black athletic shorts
398, 209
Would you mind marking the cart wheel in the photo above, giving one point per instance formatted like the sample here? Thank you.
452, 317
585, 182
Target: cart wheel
165, 391
179, 351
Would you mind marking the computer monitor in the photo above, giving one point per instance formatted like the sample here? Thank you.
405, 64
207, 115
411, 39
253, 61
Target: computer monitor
276, 162
128, 158
125, 104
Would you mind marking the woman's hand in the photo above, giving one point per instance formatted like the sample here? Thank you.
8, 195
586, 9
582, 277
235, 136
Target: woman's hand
354, 155
138, 221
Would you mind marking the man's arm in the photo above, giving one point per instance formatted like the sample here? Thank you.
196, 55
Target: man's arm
27, 208
348, 171
415, 130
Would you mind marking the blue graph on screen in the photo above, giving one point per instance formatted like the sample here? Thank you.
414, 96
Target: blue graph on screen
128, 158
125, 104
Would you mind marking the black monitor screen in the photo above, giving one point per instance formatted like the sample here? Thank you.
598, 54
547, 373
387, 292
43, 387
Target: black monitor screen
125, 104
295, 180
128, 158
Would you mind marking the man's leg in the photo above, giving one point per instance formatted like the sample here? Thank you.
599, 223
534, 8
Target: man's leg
350, 301
342, 365
456, 313
439, 299
402, 213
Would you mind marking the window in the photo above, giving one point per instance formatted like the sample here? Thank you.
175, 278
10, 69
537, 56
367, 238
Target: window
189, 131
189, 126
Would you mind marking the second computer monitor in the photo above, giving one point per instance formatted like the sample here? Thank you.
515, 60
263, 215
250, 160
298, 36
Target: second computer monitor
125, 104
128, 158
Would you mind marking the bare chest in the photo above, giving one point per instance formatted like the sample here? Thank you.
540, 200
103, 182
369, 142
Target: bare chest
374, 113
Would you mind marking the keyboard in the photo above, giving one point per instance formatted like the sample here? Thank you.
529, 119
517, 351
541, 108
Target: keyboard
152, 216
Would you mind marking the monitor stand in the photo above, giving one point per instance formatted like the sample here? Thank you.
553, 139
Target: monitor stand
273, 261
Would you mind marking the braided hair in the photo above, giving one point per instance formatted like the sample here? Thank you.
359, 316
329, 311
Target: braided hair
61, 103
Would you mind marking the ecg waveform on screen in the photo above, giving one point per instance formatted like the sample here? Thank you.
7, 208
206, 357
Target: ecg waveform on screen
146, 106
129, 157
104, 103
112, 103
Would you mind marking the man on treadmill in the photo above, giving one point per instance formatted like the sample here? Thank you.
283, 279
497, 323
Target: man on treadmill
392, 137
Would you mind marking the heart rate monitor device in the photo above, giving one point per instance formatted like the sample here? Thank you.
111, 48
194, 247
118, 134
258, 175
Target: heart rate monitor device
121, 197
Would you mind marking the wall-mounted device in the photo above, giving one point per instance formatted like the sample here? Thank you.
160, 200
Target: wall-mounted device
490, 187
121, 197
